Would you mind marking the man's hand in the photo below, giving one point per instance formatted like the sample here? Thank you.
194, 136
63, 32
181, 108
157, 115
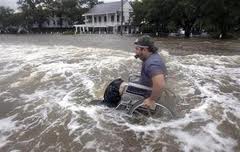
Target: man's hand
158, 83
149, 103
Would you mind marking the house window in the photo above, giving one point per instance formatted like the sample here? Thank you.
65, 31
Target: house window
95, 19
117, 18
59, 22
100, 19
105, 18
89, 19
112, 18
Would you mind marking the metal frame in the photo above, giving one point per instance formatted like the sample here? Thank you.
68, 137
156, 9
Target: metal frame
132, 106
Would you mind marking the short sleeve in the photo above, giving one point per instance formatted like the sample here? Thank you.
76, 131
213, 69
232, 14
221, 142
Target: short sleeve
154, 69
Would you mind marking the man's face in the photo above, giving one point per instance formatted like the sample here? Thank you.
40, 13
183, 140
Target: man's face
140, 52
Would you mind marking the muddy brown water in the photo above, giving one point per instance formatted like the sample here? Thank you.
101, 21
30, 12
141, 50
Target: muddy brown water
48, 81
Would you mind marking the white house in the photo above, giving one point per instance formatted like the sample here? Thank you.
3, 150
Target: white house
107, 18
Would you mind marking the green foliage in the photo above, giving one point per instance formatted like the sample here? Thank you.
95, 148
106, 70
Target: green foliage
89, 3
217, 16
185, 14
139, 12
38, 11
5, 15
34, 11
222, 16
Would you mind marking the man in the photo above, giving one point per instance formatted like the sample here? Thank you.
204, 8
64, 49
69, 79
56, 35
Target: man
152, 75
153, 70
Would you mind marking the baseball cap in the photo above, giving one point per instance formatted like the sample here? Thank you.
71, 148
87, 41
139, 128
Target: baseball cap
146, 41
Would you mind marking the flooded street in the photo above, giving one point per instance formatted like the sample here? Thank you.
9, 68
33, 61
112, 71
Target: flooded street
48, 81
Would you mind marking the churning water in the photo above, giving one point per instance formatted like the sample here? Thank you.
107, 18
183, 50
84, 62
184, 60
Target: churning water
48, 82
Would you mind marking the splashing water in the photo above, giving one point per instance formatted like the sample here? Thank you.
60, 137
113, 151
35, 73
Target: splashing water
46, 90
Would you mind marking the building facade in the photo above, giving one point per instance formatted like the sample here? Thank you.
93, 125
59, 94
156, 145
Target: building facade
106, 18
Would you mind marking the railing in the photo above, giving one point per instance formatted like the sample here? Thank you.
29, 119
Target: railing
102, 24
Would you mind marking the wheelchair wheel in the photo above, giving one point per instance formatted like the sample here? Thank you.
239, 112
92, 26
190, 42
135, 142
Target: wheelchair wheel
168, 100
164, 109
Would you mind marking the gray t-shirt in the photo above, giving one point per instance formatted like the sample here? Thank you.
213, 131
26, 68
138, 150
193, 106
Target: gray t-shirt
154, 65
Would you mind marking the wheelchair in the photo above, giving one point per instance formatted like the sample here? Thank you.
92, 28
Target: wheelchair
134, 94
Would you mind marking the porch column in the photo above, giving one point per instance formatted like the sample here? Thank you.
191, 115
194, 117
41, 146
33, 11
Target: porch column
115, 18
107, 23
76, 29
83, 29
116, 23
80, 29
85, 17
93, 20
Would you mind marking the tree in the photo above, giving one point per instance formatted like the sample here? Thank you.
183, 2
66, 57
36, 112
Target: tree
10, 21
39, 11
158, 13
222, 16
5, 15
34, 11
218, 16
185, 13
70, 10
139, 12
89, 3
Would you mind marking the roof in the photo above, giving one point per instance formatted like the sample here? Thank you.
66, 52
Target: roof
104, 8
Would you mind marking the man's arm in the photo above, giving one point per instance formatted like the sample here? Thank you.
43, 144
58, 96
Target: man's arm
158, 82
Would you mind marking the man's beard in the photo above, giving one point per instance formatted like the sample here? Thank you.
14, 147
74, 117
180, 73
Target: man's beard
136, 56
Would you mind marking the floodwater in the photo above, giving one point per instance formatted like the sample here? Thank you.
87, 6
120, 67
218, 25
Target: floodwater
48, 81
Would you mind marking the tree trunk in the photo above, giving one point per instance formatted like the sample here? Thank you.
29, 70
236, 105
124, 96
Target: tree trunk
188, 30
223, 33
40, 25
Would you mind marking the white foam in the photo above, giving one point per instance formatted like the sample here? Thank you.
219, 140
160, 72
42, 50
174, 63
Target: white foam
89, 84
208, 139
7, 125
73, 125
15, 150
90, 145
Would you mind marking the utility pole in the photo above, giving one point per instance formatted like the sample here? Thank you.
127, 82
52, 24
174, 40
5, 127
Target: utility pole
121, 17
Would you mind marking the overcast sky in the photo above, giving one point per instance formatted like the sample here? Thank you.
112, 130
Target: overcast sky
12, 3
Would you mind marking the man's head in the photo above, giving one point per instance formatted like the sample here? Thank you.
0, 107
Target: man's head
144, 47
